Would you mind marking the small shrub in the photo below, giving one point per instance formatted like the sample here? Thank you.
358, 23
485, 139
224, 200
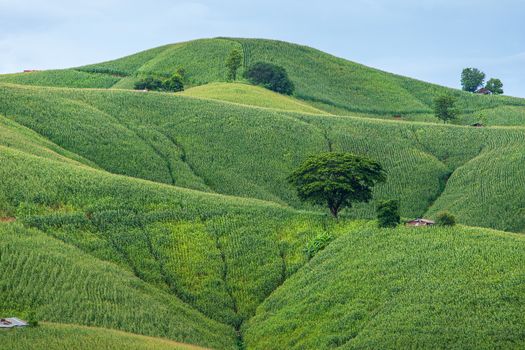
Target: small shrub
317, 244
270, 76
174, 83
445, 219
388, 213
32, 321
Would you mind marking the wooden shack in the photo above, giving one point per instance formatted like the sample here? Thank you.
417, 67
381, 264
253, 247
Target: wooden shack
420, 222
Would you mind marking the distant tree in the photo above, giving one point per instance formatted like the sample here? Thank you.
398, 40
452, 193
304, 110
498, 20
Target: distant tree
233, 63
174, 83
270, 76
495, 86
444, 108
445, 219
337, 180
388, 213
149, 83
472, 79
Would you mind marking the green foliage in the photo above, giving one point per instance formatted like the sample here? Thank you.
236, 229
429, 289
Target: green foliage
54, 336
317, 244
174, 83
233, 63
472, 79
377, 289
270, 76
445, 108
149, 83
388, 213
252, 96
337, 180
495, 86
445, 219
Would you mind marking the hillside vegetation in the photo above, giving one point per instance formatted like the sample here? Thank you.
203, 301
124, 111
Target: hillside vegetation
434, 288
472, 172
170, 215
54, 336
326, 82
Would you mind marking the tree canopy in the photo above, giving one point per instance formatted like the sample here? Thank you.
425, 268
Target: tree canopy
337, 180
495, 86
233, 63
174, 83
388, 213
270, 76
472, 79
444, 108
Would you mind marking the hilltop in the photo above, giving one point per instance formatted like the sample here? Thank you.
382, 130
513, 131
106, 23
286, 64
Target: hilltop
329, 83
168, 215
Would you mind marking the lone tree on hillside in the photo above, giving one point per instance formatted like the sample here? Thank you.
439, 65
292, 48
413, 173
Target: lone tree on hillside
495, 86
444, 108
472, 79
270, 76
388, 213
233, 63
337, 180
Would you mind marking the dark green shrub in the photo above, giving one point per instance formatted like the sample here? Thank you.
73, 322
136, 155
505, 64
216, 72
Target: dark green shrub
317, 244
32, 320
174, 83
445, 219
270, 76
388, 213
149, 83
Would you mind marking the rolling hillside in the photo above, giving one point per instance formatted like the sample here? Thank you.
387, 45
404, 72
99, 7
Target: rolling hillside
169, 215
326, 82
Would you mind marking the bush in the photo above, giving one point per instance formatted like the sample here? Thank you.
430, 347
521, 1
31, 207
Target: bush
174, 83
388, 213
317, 244
32, 321
445, 219
270, 76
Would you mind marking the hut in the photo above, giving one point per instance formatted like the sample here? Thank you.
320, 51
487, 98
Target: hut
12, 322
420, 222
484, 91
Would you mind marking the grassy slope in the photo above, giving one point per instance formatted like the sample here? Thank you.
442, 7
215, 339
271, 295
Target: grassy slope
62, 284
250, 95
324, 81
221, 255
253, 149
459, 288
54, 336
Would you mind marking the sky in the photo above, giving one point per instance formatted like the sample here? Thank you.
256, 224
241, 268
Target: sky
429, 40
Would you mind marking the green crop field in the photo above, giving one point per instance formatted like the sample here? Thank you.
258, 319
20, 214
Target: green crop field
54, 336
169, 215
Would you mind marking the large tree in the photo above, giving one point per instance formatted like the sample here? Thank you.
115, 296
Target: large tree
495, 86
337, 180
233, 63
444, 108
472, 79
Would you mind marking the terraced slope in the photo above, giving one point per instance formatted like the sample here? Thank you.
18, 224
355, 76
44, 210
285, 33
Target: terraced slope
329, 83
460, 288
236, 150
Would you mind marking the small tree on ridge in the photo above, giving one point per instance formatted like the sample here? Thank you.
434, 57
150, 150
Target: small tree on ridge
444, 108
233, 63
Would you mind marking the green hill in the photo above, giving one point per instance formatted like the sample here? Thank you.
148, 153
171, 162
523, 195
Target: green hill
326, 82
472, 172
169, 215
431, 288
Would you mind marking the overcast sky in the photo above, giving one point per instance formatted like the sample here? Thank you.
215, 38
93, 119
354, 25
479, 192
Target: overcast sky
426, 39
